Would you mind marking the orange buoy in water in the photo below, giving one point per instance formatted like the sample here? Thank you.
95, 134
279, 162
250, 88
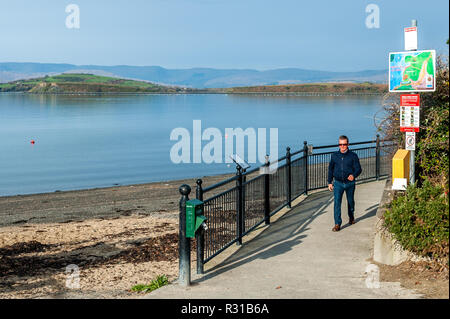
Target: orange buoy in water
32, 141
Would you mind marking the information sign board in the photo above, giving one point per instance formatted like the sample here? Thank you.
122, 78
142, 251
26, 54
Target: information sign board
412, 71
410, 112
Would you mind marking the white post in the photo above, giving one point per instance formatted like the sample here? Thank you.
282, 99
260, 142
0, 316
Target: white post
412, 173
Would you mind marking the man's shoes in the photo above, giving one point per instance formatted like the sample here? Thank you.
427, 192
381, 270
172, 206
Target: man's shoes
351, 221
336, 228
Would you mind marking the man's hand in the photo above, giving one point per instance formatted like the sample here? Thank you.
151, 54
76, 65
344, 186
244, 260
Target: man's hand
350, 178
330, 187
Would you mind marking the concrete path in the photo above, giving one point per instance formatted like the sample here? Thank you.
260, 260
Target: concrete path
298, 256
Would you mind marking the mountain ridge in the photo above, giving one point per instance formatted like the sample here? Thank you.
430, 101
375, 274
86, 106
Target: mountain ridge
192, 77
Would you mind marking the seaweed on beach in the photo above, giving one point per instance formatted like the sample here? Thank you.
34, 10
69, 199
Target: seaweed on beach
13, 263
163, 248
23, 248
18, 259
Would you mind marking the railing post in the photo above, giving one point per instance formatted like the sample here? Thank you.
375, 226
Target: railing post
377, 159
184, 244
244, 196
267, 192
239, 206
305, 154
288, 176
200, 234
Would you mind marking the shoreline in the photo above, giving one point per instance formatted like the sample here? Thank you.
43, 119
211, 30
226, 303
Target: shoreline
61, 206
205, 93
117, 186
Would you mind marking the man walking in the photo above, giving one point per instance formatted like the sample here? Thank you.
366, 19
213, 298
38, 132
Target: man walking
344, 167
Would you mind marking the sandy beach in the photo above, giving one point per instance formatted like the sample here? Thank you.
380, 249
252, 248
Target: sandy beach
118, 237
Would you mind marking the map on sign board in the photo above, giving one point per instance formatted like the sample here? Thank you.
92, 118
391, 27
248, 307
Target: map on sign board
412, 71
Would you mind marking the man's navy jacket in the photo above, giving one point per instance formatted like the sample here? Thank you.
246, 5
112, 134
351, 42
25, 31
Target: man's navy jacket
342, 165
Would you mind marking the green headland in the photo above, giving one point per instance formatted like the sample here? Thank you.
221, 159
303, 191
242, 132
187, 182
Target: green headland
86, 83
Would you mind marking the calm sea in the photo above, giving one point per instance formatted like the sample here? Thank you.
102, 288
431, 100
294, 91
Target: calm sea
100, 141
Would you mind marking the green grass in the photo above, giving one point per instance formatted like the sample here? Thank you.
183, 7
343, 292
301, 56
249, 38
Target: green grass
90, 78
159, 282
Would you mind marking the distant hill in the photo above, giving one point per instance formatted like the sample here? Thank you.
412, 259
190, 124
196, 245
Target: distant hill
86, 83
341, 88
195, 77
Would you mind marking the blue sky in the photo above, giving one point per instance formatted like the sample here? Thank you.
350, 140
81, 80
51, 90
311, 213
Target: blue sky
321, 35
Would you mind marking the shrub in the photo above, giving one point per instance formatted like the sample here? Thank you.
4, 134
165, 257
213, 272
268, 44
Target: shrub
419, 220
432, 147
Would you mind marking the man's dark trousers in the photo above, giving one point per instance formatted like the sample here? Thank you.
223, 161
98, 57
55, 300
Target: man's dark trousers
339, 188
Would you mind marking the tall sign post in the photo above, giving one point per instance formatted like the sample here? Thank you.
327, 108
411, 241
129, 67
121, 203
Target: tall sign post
411, 72
411, 45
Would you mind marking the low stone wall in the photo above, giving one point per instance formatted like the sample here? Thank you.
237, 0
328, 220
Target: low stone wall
386, 250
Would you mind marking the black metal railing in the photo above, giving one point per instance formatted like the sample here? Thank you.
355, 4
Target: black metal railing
241, 203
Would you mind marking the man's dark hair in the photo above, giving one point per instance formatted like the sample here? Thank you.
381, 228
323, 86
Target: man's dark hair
343, 137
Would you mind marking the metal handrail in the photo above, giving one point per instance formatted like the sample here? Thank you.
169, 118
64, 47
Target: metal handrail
211, 187
268, 193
